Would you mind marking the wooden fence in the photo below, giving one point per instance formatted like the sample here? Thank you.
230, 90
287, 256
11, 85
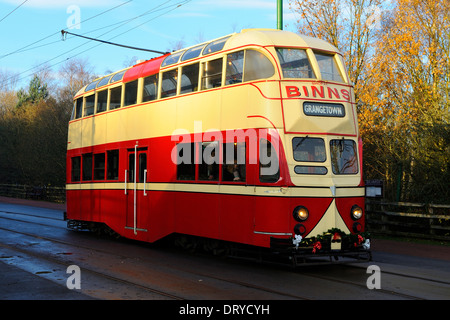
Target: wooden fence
418, 220
45, 193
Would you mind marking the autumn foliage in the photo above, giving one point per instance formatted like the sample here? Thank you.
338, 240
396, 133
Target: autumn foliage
397, 55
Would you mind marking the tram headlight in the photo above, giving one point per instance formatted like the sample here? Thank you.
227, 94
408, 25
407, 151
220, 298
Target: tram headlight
300, 213
356, 212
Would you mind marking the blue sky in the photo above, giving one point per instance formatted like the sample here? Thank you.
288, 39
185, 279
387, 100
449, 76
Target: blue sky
30, 29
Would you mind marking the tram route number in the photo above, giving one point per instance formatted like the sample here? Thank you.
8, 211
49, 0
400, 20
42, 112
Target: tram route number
227, 309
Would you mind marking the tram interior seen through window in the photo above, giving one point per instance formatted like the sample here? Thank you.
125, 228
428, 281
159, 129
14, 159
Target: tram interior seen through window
212, 74
169, 83
328, 67
102, 100
189, 78
131, 93
295, 63
150, 88
115, 98
89, 105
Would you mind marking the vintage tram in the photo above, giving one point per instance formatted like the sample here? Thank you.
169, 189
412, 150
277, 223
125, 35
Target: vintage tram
250, 139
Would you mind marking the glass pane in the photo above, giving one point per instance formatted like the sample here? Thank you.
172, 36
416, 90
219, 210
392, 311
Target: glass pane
115, 98
131, 93
192, 53
215, 46
169, 83
102, 97
209, 166
103, 81
172, 59
78, 108
150, 88
99, 166
269, 168
118, 76
295, 63
189, 78
91, 85
343, 156
235, 67
257, 66
87, 166
328, 67
89, 105
131, 167
234, 162
212, 74
142, 166
309, 149
113, 165
310, 170
185, 161
76, 168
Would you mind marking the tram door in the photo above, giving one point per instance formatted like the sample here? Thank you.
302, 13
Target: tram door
135, 190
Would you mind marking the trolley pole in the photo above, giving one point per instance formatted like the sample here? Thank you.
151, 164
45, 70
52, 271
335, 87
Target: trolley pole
280, 14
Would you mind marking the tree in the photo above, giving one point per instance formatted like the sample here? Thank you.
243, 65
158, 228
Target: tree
37, 91
401, 71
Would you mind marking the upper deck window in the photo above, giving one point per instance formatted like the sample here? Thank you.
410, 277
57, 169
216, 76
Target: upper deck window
91, 85
192, 53
172, 59
215, 46
89, 105
102, 99
257, 66
247, 65
103, 81
131, 93
328, 67
150, 88
212, 74
295, 63
235, 67
189, 78
115, 98
77, 109
169, 83
118, 76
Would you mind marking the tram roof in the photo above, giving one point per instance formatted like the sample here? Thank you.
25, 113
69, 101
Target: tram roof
259, 37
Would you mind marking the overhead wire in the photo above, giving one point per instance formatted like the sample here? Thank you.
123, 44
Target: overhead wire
13, 11
173, 7
56, 33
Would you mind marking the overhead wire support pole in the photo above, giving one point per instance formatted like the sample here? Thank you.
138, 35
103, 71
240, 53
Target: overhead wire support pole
64, 33
280, 14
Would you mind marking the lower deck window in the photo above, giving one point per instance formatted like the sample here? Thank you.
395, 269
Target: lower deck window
87, 167
269, 168
99, 166
112, 168
76, 169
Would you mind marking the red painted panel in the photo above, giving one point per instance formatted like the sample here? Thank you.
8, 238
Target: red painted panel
143, 69
344, 205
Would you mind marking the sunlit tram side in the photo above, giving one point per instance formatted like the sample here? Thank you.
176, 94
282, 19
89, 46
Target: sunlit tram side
251, 139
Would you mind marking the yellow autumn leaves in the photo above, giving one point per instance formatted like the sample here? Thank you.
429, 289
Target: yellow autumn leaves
397, 55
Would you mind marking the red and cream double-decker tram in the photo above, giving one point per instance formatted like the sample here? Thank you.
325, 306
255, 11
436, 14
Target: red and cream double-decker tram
249, 139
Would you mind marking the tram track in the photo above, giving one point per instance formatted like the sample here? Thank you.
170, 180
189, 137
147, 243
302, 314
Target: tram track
62, 261
117, 279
